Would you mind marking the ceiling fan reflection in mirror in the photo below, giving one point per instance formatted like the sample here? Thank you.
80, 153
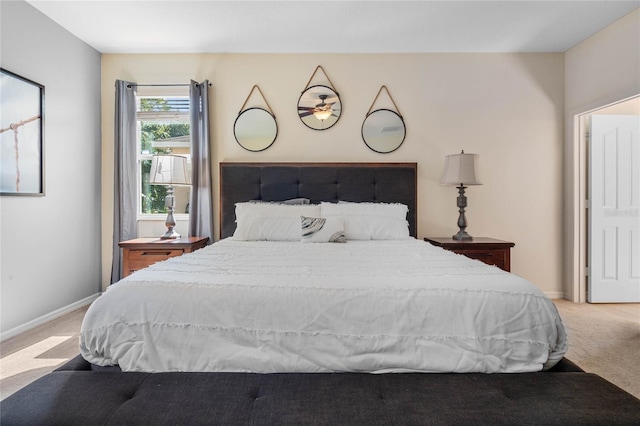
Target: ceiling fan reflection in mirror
321, 111
319, 107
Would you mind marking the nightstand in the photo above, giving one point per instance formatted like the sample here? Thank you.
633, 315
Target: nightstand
142, 252
488, 250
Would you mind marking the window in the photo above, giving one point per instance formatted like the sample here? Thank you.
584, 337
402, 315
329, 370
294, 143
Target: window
162, 127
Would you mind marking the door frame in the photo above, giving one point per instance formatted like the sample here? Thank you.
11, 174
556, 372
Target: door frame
575, 212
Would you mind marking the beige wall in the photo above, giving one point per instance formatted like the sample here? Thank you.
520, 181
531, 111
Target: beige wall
508, 108
601, 70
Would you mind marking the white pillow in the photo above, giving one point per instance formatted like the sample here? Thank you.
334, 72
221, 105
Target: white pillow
264, 228
370, 221
396, 210
271, 222
322, 230
275, 210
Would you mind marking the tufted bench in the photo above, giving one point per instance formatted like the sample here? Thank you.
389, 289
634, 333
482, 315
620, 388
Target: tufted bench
80, 394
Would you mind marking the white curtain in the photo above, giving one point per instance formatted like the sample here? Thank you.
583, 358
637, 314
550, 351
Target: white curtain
201, 202
125, 167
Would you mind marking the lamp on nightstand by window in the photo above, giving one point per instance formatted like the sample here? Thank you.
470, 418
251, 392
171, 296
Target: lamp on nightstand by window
169, 170
460, 169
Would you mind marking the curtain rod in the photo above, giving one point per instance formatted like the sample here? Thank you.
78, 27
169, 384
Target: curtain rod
161, 85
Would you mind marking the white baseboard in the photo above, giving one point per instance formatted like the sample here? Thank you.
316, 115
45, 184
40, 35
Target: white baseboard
48, 317
554, 294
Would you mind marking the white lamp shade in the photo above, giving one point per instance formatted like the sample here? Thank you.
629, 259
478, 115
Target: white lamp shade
169, 170
460, 169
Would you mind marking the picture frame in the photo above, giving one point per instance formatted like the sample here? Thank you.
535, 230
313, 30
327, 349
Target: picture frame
21, 135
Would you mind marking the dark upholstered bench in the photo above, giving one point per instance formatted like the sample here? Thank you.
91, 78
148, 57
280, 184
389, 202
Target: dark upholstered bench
78, 393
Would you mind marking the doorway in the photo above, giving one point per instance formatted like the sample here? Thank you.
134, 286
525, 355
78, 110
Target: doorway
629, 106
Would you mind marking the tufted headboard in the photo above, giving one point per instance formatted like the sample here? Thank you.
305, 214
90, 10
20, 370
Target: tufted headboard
373, 182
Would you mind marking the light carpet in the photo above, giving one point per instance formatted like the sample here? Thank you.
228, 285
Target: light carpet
605, 339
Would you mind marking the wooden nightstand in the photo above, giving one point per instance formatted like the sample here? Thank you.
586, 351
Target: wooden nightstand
488, 250
142, 252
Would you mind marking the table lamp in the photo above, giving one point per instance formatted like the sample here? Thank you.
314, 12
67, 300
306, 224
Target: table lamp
168, 169
460, 169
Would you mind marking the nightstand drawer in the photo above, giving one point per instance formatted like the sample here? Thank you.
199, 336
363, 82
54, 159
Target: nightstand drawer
487, 250
139, 259
490, 257
142, 252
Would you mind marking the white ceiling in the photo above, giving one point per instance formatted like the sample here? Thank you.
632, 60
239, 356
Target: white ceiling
329, 26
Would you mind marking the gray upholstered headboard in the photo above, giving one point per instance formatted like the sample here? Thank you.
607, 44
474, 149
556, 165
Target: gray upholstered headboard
373, 182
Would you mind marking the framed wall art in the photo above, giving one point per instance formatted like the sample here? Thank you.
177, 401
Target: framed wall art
21, 135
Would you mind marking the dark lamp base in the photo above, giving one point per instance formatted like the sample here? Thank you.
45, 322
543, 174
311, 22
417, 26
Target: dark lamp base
462, 236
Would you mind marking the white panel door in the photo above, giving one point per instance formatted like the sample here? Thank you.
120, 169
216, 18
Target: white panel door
614, 213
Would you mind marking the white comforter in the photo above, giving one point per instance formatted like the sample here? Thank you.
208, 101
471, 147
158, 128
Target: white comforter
364, 306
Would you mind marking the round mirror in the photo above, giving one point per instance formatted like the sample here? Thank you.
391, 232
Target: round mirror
383, 130
319, 107
255, 129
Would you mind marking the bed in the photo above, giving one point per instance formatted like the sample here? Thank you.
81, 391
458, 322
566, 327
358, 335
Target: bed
330, 312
